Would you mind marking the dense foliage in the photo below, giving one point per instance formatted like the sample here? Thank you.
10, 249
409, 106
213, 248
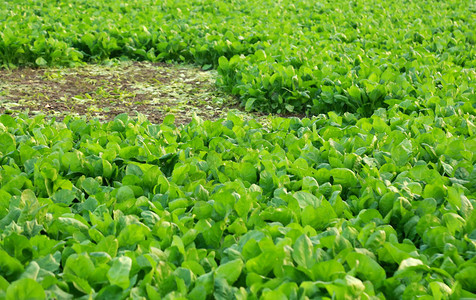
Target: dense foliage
329, 206
279, 56
373, 200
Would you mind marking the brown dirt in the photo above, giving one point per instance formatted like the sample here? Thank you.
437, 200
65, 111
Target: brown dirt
152, 89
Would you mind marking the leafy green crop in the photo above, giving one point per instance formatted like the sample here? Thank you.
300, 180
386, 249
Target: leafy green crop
333, 206
278, 56
374, 199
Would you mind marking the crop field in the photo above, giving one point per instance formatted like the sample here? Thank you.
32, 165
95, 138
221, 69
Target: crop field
348, 173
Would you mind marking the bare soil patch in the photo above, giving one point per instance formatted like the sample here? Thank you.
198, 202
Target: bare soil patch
96, 91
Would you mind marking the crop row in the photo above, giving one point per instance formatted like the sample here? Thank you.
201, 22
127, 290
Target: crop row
278, 56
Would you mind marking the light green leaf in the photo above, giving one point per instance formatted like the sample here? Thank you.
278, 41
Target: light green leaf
25, 288
40, 61
90, 186
230, 270
328, 270
118, 274
367, 268
124, 193
79, 265
345, 177
303, 252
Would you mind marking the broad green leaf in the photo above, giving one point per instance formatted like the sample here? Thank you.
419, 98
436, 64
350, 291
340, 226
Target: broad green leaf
347, 288
223, 63
10, 267
3, 284
410, 263
306, 199
40, 61
354, 92
303, 252
367, 268
64, 196
90, 186
31, 271
198, 292
50, 262
263, 263
345, 177
118, 274
7, 143
110, 292
25, 288
328, 270
230, 270
318, 217
248, 172
249, 104
79, 265
124, 193
274, 295
222, 290
18, 246
132, 234
202, 209
402, 152
466, 277
109, 245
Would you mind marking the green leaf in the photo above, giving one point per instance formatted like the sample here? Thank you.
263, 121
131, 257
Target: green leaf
306, 199
10, 267
367, 268
223, 63
151, 176
31, 271
354, 92
109, 245
198, 292
230, 270
7, 143
50, 262
347, 288
68, 226
90, 186
3, 285
169, 120
318, 217
411, 264
64, 197
25, 288
202, 210
435, 190
79, 265
402, 152
467, 278
40, 61
328, 270
303, 253
248, 172
132, 234
124, 193
344, 177
18, 246
263, 263
118, 274
222, 290
249, 104
274, 295
109, 292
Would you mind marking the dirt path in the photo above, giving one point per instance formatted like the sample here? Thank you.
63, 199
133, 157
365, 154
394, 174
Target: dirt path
103, 92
